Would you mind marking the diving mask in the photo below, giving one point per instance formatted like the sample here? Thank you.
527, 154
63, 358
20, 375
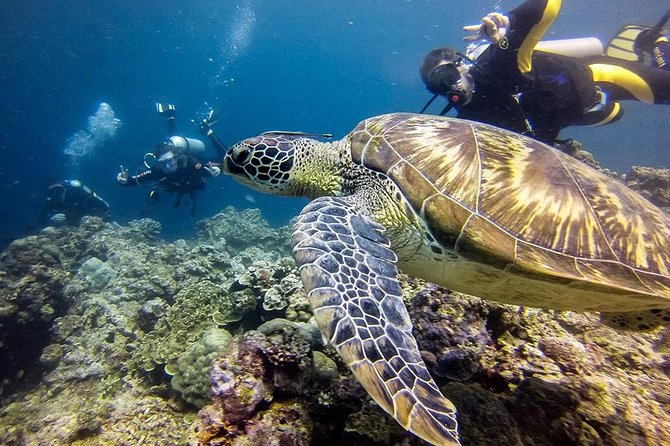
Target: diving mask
452, 79
167, 162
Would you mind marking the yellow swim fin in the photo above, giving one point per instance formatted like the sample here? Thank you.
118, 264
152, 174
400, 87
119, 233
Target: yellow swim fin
622, 46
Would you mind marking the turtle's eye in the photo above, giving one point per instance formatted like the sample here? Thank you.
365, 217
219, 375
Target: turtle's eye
240, 153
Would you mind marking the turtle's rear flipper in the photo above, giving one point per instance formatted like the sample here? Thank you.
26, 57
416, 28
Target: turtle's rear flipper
637, 321
350, 276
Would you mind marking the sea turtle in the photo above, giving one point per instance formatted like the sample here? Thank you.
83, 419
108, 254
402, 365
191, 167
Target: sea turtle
465, 205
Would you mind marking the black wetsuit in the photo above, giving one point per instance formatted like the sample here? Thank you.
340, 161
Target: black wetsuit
74, 200
539, 93
189, 177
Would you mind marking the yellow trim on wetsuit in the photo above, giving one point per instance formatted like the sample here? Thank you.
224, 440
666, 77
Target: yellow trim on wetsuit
536, 33
616, 110
623, 78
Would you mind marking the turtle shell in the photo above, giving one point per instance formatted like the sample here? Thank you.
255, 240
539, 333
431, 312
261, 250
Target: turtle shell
500, 199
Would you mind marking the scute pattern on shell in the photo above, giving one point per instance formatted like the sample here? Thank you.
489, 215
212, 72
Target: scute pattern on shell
503, 199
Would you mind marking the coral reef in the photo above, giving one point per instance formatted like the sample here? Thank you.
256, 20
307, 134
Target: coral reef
111, 336
575, 149
653, 184
90, 318
33, 274
237, 230
95, 273
557, 377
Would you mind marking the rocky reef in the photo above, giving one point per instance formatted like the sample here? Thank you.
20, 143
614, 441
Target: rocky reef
651, 183
111, 336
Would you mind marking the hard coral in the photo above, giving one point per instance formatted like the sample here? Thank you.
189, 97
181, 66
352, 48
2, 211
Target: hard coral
239, 230
192, 373
33, 275
653, 184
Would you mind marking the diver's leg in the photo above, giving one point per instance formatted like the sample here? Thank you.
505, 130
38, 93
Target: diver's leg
151, 204
660, 54
624, 80
602, 114
653, 43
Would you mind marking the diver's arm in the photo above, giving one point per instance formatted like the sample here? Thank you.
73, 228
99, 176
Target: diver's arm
93, 204
528, 24
205, 128
140, 178
219, 146
493, 28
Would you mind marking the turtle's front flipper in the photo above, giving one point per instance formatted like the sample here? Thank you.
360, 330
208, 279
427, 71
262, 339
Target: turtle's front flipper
350, 276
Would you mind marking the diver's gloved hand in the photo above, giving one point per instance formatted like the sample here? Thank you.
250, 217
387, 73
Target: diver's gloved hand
168, 110
122, 176
58, 219
213, 170
206, 123
493, 28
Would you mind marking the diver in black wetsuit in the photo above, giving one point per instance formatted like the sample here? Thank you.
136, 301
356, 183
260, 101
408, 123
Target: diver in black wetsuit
174, 164
68, 201
537, 93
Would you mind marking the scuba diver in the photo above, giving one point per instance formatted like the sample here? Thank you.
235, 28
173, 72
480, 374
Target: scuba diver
68, 201
537, 93
174, 165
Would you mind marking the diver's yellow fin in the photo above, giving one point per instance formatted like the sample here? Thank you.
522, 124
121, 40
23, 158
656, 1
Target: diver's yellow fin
622, 46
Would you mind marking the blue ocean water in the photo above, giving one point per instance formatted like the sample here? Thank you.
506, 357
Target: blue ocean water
263, 65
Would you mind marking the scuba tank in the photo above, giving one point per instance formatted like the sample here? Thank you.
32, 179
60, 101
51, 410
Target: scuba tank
578, 47
179, 144
189, 146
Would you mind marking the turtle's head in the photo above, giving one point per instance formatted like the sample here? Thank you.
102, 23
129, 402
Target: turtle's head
281, 163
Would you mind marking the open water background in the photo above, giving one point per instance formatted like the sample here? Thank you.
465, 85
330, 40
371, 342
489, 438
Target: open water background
317, 66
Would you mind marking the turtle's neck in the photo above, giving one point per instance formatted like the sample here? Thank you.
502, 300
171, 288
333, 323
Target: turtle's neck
318, 169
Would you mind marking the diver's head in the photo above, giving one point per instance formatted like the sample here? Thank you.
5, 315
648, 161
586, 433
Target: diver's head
445, 74
56, 191
168, 162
